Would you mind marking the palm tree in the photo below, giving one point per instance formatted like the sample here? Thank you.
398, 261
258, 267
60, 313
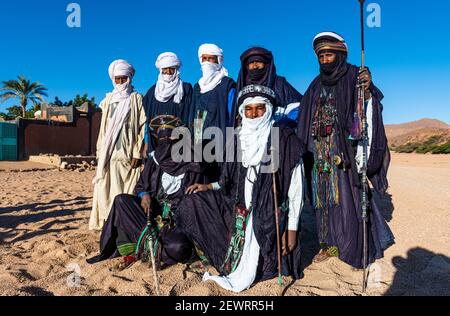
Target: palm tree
24, 90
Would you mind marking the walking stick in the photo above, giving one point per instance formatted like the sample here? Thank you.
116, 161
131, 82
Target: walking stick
277, 220
152, 255
365, 139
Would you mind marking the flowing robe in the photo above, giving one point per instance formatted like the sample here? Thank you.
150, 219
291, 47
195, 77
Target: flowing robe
119, 176
342, 227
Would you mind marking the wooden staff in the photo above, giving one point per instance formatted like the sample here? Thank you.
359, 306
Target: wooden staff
277, 220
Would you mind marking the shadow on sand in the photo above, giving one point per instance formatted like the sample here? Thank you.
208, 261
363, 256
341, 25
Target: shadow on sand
36, 207
39, 212
421, 273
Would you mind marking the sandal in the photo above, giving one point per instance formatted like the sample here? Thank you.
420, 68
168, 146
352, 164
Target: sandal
322, 256
326, 254
198, 266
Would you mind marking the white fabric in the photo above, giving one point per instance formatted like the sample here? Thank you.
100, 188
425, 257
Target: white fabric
119, 177
331, 34
169, 86
167, 60
244, 275
212, 73
169, 183
360, 150
291, 107
254, 133
281, 112
121, 67
121, 95
215, 186
295, 196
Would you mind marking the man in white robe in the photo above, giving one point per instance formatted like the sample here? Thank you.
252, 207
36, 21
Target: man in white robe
120, 143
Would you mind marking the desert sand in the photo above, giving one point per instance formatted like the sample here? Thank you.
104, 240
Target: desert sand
44, 241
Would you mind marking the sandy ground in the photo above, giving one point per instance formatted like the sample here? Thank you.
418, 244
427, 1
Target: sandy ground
44, 241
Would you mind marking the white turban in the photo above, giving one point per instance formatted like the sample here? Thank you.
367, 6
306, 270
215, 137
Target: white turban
254, 133
121, 67
169, 86
210, 49
212, 73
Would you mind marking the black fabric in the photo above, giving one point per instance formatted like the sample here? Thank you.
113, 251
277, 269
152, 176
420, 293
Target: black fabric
128, 216
331, 73
267, 75
127, 220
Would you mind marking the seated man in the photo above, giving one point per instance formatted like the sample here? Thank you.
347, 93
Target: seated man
162, 184
233, 222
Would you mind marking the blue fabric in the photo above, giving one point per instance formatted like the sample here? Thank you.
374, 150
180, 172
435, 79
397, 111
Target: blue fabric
215, 103
142, 194
147, 134
293, 115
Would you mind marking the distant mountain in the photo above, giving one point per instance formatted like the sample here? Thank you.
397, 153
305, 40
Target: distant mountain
423, 136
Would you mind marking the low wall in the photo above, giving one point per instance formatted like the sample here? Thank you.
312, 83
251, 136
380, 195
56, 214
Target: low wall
49, 137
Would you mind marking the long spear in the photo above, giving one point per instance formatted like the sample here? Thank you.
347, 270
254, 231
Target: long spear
365, 139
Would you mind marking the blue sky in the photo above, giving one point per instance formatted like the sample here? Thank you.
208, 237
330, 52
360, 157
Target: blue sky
408, 54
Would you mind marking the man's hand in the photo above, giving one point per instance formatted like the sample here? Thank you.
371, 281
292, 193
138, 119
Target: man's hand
196, 188
145, 151
135, 163
146, 202
365, 78
290, 243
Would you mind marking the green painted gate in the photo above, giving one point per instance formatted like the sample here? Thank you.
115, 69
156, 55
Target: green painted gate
8, 142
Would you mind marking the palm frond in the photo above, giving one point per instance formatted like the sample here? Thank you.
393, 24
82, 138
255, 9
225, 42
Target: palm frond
7, 95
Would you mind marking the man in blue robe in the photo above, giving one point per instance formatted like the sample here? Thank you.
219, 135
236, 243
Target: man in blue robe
169, 96
328, 128
213, 99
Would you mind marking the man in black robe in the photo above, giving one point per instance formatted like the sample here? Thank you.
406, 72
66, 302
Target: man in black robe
162, 184
258, 67
329, 127
169, 96
213, 98
233, 221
